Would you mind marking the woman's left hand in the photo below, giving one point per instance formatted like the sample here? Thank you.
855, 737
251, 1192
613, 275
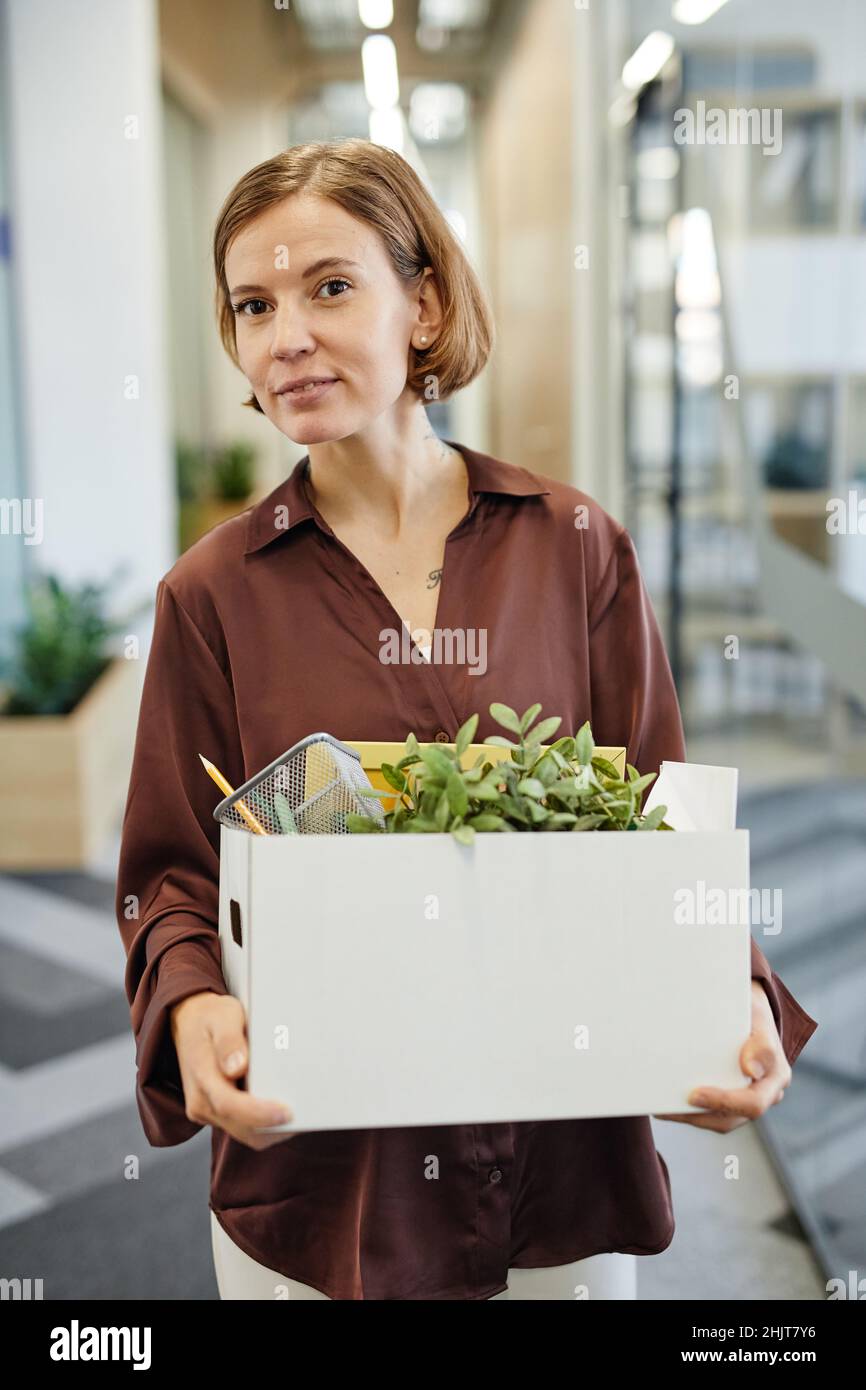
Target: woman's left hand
762, 1058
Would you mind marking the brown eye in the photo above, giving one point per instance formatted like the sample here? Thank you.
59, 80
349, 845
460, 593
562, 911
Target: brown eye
239, 308
335, 280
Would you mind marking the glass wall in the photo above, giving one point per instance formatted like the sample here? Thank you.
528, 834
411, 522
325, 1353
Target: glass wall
745, 280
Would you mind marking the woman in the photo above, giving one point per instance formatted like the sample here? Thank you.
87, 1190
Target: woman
348, 303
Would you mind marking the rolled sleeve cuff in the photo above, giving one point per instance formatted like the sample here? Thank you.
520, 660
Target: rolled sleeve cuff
793, 1024
190, 966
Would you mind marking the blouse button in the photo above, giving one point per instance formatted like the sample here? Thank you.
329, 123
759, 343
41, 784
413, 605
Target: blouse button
441, 736
495, 1175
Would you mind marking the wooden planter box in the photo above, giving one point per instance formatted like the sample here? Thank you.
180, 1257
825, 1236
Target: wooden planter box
197, 518
65, 777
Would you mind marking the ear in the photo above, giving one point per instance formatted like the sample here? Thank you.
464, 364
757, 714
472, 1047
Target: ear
430, 313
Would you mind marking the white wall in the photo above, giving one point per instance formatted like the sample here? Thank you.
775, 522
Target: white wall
88, 228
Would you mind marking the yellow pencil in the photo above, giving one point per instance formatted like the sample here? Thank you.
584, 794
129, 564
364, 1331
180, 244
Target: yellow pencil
227, 790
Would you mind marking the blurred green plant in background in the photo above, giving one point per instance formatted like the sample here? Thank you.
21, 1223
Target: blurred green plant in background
234, 471
62, 647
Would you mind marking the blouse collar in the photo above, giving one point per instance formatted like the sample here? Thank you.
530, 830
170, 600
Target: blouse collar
288, 505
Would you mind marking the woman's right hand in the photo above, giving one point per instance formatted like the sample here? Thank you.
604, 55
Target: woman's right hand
209, 1034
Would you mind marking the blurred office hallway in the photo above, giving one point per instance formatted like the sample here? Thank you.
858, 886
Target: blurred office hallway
680, 335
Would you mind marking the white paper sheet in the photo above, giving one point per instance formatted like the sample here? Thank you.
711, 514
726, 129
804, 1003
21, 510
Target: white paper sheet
697, 795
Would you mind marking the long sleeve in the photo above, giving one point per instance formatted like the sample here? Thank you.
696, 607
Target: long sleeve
167, 902
634, 701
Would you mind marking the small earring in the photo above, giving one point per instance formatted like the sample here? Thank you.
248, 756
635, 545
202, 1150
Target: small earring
424, 338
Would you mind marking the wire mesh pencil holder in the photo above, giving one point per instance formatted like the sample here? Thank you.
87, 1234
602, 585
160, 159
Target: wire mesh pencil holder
308, 790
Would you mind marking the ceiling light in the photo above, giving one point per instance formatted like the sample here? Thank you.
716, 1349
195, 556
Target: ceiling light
695, 11
375, 14
379, 62
647, 60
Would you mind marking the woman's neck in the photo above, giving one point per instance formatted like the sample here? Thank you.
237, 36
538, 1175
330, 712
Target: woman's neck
395, 492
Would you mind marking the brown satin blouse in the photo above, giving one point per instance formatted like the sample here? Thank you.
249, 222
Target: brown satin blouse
267, 629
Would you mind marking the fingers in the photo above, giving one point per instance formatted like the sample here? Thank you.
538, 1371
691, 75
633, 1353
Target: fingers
759, 1056
762, 1058
228, 1030
749, 1101
213, 1055
721, 1123
232, 1109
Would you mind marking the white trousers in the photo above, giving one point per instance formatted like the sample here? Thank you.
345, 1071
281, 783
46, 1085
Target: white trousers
611, 1275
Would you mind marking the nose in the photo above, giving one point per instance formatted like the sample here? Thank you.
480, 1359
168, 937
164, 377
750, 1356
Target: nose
290, 333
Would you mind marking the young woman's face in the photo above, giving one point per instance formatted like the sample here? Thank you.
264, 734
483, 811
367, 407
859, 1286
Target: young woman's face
349, 321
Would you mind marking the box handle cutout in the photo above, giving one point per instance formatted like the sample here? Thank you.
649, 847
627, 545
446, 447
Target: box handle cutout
235, 918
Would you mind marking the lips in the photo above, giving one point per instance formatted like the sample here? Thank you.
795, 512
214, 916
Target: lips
298, 397
304, 384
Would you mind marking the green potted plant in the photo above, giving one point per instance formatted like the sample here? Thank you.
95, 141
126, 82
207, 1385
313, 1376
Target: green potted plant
566, 786
67, 721
231, 482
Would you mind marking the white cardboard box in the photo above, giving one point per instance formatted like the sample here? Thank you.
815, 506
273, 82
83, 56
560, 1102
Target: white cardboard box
411, 980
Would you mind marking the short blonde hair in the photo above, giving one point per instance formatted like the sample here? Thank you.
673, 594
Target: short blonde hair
378, 186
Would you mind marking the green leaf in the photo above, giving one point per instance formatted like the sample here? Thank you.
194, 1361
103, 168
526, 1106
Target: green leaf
606, 768
421, 825
429, 802
513, 807
393, 777
485, 821
443, 812
639, 783
456, 792
438, 762
531, 714
464, 833
506, 717
501, 742
485, 791
653, 819
284, 814
584, 745
588, 822
546, 770
567, 787
361, 825
531, 786
465, 735
547, 726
